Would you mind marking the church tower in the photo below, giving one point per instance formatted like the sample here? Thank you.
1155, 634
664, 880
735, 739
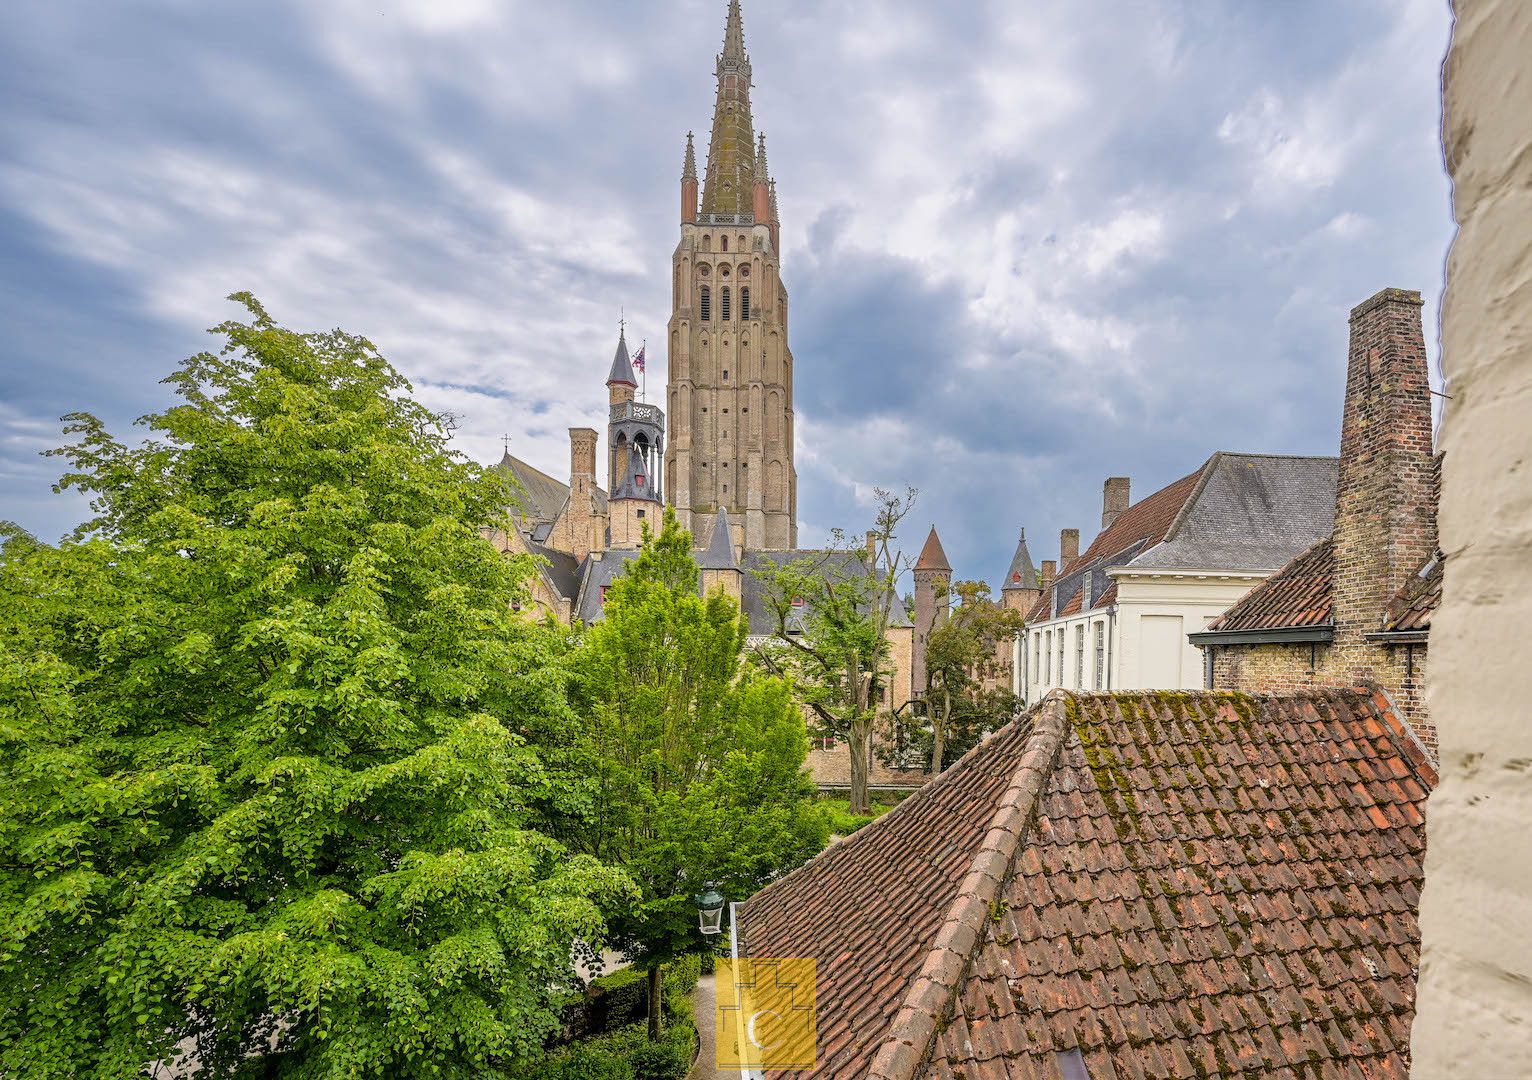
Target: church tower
730, 393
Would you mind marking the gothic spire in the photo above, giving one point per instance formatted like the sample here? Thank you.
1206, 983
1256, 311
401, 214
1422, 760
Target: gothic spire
689, 163
760, 158
773, 199
730, 152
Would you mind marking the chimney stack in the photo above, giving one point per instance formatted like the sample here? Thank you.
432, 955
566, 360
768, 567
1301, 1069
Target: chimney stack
1385, 506
1049, 572
1114, 499
1069, 546
872, 546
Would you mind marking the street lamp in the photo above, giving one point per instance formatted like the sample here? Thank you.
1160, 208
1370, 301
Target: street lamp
710, 919
710, 911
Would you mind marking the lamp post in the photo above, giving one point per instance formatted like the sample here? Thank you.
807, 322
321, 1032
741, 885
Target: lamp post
710, 919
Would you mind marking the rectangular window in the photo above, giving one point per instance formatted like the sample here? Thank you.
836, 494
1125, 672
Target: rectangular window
1061, 656
1048, 660
744, 302
705, 303
1080, 657
1037, 652
724, 306
1100, 656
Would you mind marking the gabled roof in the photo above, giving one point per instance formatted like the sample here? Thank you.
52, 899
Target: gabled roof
541, 498
1238, 512
1296, 595
932, 557
599, 570
1141, 884
1021, 574
562, 571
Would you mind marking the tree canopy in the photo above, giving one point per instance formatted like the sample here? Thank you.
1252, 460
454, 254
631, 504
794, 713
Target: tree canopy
276, 758
699, 757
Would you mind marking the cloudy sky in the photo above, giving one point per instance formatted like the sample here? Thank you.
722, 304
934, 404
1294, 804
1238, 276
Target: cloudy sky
1030, 243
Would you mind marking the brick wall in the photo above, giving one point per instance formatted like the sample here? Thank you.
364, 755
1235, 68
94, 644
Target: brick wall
1275, 669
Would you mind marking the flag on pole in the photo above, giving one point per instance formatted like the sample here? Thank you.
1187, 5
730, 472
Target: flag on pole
638, 360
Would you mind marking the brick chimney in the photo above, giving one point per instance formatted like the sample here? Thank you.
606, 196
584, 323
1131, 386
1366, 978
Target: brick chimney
579, 530
1069, 546
872, 547
1049, 571
1114, 499
1385, 509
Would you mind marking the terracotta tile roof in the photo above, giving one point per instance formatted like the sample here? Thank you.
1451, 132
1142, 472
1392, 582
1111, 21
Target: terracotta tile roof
1145, 522
1140, 884
932, 557
1296, 595
1412, 605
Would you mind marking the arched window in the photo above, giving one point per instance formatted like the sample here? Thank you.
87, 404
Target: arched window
725, 241
705, 304
744, 302
724, 305
707, 242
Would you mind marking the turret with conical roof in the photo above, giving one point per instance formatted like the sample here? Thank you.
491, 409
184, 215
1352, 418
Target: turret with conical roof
1021, 587
620, 383
720, 562
634, 502
933, 580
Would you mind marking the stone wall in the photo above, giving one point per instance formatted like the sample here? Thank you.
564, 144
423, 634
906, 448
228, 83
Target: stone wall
1474, 996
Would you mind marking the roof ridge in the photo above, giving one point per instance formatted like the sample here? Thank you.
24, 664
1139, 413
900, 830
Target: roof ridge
1403, 736
1204, 474
908, 1042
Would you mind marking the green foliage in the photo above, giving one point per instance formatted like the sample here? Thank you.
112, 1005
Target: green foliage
621, 1048
841, 821
830, 613
277, 762
699, 758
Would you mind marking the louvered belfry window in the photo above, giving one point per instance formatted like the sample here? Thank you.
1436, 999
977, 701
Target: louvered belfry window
705, 304
725, 305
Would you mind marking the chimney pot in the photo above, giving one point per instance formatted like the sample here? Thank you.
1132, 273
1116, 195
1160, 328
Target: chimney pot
1114, 499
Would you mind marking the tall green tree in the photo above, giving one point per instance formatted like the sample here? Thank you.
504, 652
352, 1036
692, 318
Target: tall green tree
962, 666
699, 757
275, 755
830, 615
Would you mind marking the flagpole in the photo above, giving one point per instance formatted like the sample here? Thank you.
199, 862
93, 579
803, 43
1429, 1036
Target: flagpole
643, 372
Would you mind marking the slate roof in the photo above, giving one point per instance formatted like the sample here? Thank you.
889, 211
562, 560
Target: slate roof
758, 617
635, 484
1296, 595
1021, 574
596, 572
1127, 885
544, 496
1237, 512
562, 571
719, 554
622, 367
1249, 512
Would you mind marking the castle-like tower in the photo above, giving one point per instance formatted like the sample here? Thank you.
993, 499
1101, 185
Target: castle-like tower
730, 393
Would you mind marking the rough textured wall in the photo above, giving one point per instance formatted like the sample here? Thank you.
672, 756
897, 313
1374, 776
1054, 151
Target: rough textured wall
1474, 1006
1279, 669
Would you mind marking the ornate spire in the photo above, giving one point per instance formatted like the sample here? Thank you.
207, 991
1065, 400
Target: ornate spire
760, 158
730, 152
734, 35
689, 165
774, 200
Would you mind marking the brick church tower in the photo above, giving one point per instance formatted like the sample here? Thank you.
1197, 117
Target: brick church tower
730, 393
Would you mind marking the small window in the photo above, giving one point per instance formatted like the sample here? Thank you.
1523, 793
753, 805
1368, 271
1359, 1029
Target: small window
724, 305
726, 375
725, 490
706, 303
640, 513
744, 302
797, 601
726, 372
603, 594
707, 242
725, 243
